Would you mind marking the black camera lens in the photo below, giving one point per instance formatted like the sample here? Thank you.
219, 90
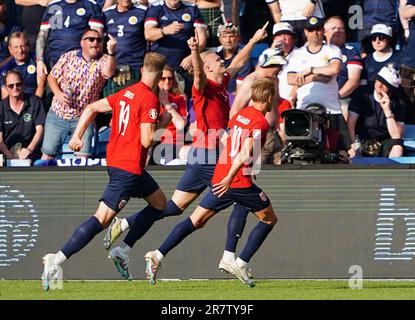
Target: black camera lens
297, 124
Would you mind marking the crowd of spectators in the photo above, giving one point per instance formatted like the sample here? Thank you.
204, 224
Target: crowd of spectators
61, 55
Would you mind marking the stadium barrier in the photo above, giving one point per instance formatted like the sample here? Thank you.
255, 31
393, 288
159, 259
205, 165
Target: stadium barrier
333, 220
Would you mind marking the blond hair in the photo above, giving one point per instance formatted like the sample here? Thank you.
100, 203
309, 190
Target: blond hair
154, 62
262, 89
18, 35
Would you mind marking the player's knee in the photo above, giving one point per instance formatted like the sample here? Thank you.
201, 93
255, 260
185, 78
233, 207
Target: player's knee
105, 220
269, 217
199, 224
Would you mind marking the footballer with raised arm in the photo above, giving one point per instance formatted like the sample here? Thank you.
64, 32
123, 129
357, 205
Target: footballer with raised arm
211, 104
232, 180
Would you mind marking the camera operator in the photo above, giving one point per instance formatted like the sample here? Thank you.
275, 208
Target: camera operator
378, 117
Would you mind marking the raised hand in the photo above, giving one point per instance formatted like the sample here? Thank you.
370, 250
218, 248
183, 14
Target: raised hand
111, 44
261, 34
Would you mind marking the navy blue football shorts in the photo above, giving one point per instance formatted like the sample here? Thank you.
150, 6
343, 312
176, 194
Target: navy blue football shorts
124, 185
253, 198
199, 170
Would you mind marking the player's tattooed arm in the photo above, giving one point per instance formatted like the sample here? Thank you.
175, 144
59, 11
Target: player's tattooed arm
41, 68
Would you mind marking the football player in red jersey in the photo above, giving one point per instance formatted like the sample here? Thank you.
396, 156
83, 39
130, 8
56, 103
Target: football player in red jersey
232, 180
135, 117
211, 104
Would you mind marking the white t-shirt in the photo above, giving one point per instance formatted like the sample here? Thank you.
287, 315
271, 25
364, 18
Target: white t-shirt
326, 94
293, 9
284, 88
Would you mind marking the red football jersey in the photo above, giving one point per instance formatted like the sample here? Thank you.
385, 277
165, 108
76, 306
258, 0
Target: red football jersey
249, 122
131, 107
211, 107
171, 136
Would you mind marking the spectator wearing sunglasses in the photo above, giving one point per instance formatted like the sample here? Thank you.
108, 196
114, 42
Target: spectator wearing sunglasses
76, 81
383, 55
22, 118
62, 24
24, 62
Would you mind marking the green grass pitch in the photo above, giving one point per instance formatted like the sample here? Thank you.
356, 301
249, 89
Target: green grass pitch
209, 290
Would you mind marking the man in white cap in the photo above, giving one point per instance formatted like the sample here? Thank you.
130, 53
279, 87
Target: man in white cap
314, 69
283, 38
377, 117
384, 55
270, 63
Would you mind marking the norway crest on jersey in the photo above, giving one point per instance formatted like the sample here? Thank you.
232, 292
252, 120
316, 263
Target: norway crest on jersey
263, 196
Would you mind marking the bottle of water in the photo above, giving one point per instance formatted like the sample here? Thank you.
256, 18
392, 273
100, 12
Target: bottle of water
357, 147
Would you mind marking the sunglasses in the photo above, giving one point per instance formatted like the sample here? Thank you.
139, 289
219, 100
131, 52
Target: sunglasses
381, 38
166, 78
92, 39
12, 85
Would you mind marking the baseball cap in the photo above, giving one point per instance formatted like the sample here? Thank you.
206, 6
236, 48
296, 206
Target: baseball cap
282, 27
390, 77
314, 23
270, 57
382, 30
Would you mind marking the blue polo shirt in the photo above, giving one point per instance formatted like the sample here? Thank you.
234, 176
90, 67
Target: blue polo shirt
66, 22
174, 47
27, 70
128, 28
371, 122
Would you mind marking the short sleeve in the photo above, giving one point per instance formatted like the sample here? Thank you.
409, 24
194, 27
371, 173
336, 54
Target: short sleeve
150, 110
49, 13
97, 18
199, 20
293, 65
152, 17
335, 53
112, 99
259, 130
58, 68
354, 59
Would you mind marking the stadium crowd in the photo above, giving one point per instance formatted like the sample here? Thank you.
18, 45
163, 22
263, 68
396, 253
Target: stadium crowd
353, 59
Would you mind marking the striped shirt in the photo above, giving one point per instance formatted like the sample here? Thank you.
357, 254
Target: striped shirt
79, 79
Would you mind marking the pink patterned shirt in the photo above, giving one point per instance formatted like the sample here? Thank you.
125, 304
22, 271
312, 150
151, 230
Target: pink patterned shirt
79, 79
